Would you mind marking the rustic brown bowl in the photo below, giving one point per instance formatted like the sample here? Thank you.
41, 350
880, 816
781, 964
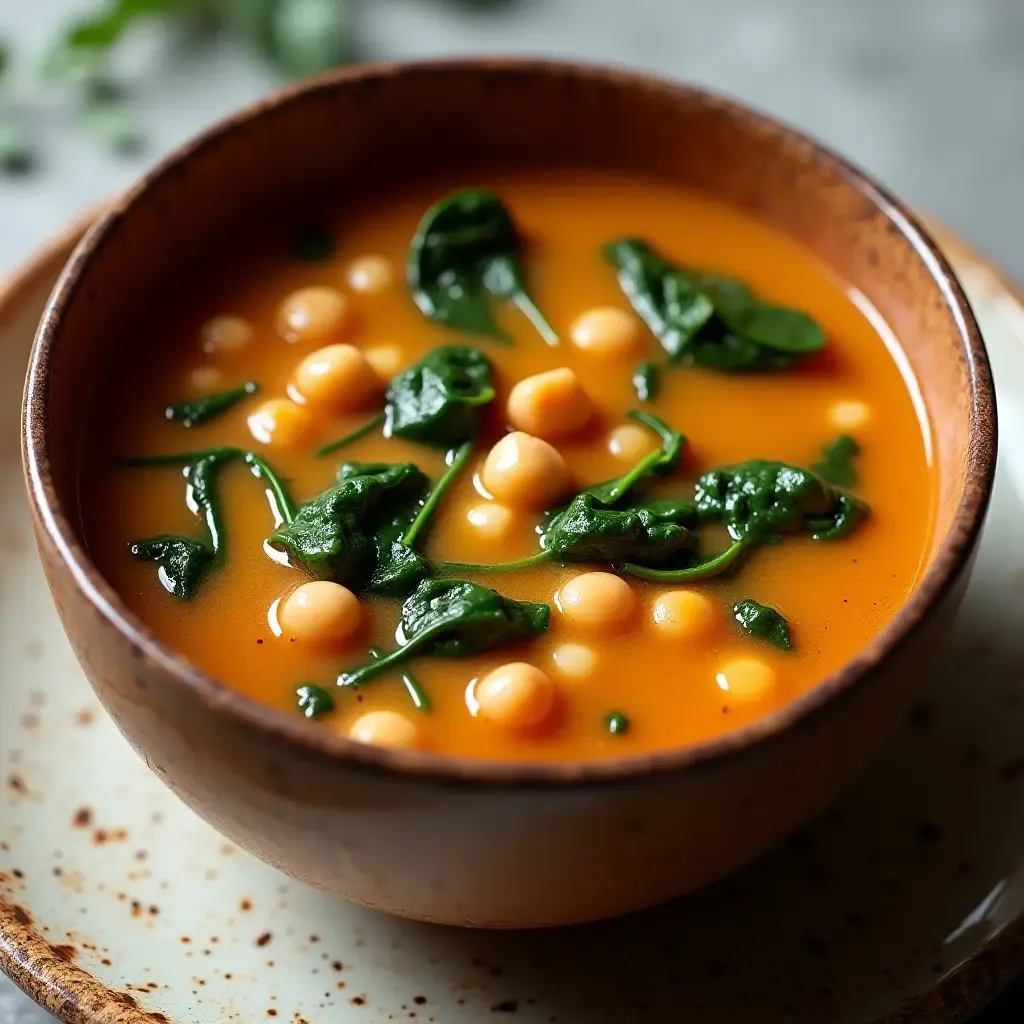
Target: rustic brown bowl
433, 837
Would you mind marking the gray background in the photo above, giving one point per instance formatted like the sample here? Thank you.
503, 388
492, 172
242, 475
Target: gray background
927, 94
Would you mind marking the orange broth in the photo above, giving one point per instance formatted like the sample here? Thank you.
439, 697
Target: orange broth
836, 596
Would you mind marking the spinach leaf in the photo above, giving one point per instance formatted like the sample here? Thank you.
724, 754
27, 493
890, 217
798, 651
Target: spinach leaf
194, 411
708, 319
646, 382
313, 701
758, 502
331, 536
183, 563
760, 499
418, 696
658, 463
598, 526
399, 567
764, 622
453, 619
847, 516
465, 252
437, 400
588, 530
354, 435
616, 723
774, 327
665, 298
836, 465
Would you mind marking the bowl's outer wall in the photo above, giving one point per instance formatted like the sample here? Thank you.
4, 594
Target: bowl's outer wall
503, 855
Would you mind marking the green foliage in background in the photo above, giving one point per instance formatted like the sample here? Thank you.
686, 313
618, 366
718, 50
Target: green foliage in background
295, 37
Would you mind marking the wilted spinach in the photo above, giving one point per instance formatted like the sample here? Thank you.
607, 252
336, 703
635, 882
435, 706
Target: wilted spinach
764, 623
836, 464
453, 619
646, 381
183, 561
313, 701
465, 252
758, 502
708, 319
598, 525
332, 536
418, 696
194, 411
436, 401
362, 530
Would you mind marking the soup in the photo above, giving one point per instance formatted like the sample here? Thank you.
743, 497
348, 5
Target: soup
616, 469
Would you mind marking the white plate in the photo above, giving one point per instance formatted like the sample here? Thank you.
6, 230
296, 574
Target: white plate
903, 902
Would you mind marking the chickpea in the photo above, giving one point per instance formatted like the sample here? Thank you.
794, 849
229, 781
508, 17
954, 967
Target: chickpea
606, 331
549, 405
280, 423
684, 615
386, 360
517, 696
338, 376
385, 729
575, 661
370, 274
491, 520
225, 335
850, 414
630, 442
320, 612
313, 314
525, 472
746, 679
205, 379
597, 601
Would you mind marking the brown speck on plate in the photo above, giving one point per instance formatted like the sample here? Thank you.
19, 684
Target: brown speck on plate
264, 939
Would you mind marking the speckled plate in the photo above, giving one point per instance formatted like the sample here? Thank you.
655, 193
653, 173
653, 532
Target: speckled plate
903, 903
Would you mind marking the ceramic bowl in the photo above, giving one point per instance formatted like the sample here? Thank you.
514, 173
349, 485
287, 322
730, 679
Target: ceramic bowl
419, 834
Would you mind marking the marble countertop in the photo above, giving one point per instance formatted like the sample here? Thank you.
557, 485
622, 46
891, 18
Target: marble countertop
926, 94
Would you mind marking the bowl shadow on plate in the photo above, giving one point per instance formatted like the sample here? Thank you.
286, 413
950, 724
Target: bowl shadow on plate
886, 891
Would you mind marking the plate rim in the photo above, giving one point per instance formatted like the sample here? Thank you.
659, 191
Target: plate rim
75, 996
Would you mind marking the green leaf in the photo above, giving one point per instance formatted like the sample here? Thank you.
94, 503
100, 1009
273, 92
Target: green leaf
437, 401
598, 526
5, 58
764, 623
845, 518
760, 498
658, 463
464, 253
313, 701
332, 536
113, 125
183, 563
664, 298
616, 723
16, 154
453, 619
195, 411
307, 37
708, 319
646, 381
648, 533
180, 559
775, 327
836, 465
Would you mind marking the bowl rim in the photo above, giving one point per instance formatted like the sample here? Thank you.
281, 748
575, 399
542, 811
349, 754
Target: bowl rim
309, 742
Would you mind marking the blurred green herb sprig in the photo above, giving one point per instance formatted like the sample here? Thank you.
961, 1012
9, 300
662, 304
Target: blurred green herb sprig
295, 37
